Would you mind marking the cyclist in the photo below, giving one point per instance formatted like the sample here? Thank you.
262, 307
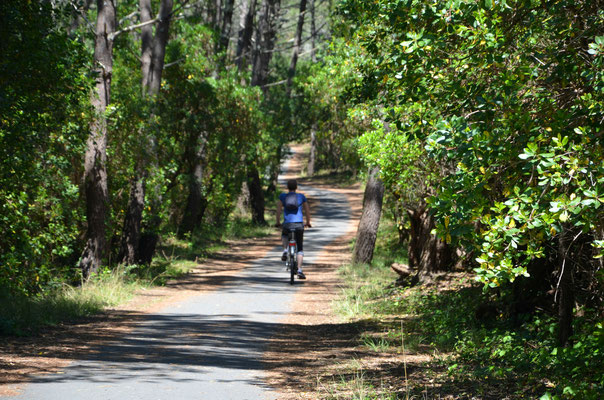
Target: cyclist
294, 209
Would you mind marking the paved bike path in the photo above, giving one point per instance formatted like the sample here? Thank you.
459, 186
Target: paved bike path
208, 347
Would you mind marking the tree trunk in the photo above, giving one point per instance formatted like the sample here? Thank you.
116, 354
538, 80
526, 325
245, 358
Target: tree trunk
225, 30
297, 40
566, 298
313, 150
146, 15
427, 253
153, 50
95, 173
196, 202
131, 230
313, 31
254, 185
246, 31
370, 219
265, 41
160, 41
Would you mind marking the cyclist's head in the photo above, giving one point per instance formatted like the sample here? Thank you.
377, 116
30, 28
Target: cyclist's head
292, 185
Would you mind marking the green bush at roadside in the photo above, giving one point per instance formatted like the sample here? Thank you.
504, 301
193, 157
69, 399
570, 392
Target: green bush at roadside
486, 341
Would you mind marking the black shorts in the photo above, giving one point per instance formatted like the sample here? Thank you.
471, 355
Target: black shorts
299, 232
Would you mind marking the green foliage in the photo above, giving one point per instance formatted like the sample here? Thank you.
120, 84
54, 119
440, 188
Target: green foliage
488, 339
321, 102
492, 110
44, 119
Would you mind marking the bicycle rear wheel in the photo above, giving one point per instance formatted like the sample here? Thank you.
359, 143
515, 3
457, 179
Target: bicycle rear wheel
293, 268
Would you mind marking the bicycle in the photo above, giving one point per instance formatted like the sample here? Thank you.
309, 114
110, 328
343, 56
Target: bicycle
291, 262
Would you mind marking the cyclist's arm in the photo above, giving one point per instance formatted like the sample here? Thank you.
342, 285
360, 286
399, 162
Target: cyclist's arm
306, 212
278, 213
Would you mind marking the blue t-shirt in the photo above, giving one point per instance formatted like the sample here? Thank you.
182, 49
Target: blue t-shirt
293, 216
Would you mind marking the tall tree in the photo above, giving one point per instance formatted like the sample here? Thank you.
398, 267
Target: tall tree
95, 175
313, 31
297, 41
225, 29
265, 41
370, 218
153, 50
263, 51
246, 31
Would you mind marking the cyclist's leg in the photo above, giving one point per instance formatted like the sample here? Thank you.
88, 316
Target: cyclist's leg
284, 240
300, 244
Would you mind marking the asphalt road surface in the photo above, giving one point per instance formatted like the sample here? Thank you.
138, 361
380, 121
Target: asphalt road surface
207, 347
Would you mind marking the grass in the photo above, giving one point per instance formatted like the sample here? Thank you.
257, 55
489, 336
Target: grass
24, 316
354, 385
494, 355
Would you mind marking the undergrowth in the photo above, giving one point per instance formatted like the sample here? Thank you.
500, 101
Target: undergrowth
486, 352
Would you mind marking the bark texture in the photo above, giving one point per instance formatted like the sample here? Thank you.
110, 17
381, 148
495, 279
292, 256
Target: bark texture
225, 30
313, 31
95, 173
566, 297
196, 202
246, 31
370, 218
265, 41
131, 230
297, 40
160, 41
427, 253
146, 43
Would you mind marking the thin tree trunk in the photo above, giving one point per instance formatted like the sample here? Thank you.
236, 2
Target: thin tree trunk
297, 40
225, 30
159, 46
151, 237
265, 41
95, 173
131, 230
313, 31
146, 15
196, 202
246, 31
153, 50
312, 157
566, 298
370, 218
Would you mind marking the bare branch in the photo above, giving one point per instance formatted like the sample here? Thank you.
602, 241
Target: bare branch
275, 83
131, 28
